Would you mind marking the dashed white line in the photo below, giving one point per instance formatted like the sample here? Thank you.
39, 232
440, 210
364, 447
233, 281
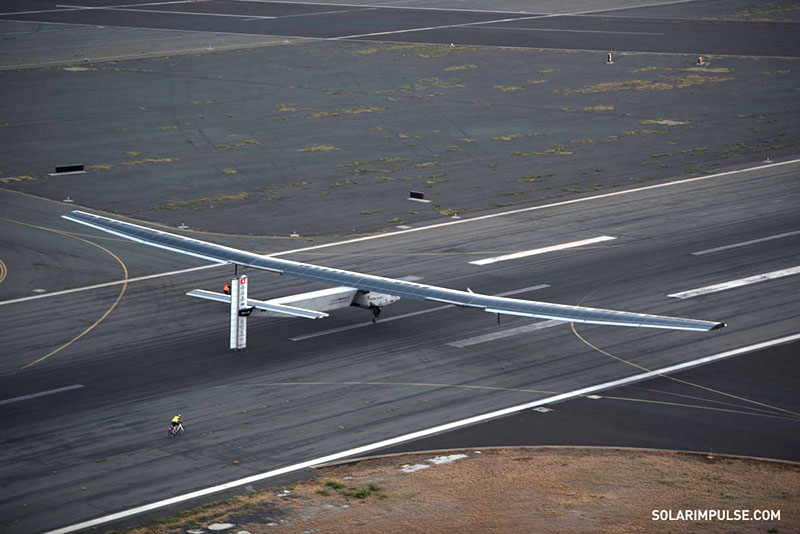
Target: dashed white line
419, 434
736, 283
745, 243
40, 394
544, 250
505, 333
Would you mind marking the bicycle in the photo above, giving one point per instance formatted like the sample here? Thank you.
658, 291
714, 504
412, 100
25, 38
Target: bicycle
175, 430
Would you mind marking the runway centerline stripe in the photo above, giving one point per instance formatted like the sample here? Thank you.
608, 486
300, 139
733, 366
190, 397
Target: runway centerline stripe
736, 283
505, 333
406, 315
544, 250
350, 453
745, 243
40, 394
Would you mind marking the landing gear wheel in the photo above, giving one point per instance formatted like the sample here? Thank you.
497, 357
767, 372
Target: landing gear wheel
376, 311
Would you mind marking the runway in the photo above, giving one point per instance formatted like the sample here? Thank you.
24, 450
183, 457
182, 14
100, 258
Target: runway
584, 30
638, 186
281, 400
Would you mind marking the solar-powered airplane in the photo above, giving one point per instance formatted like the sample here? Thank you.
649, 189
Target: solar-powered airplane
357, 289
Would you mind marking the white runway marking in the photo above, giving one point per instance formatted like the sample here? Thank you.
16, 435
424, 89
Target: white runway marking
736, 283
745, 243
405, 315
534, 252
505, 333
355, 452
41, 394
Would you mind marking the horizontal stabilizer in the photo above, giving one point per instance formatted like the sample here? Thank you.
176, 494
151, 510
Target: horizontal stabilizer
260, 305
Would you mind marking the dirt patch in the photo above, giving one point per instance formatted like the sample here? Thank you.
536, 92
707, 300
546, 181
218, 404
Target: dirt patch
516, 490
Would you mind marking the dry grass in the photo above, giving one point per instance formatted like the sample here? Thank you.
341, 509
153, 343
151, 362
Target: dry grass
673, 82
515, 490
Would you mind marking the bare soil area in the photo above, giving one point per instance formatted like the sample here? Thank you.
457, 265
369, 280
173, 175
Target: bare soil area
514, 490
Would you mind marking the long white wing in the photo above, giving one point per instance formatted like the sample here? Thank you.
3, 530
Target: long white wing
378, 284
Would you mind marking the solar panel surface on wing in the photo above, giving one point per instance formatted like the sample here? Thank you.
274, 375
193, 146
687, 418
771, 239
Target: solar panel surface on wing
378, 284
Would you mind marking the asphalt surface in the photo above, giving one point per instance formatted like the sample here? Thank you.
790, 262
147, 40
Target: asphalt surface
217, 139
485, 28
746, 406
283, 401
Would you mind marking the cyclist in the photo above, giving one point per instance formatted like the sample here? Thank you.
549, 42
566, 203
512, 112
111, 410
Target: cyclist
176, 421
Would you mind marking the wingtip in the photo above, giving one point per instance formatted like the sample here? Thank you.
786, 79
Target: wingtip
719, 326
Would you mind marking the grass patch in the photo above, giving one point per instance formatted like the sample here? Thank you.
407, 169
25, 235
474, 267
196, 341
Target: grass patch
460, 67
166, 127
229, 171
287, 108
198, 202
335, 484
239, 144
508, 88
362, 167
318, 148
666, 122
149, 160
674, 82
352, 111
509, 137
354, 164
132, 152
